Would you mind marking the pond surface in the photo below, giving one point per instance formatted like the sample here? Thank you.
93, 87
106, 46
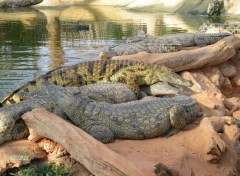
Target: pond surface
34, 41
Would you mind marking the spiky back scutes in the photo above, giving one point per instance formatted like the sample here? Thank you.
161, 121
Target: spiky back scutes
78, 75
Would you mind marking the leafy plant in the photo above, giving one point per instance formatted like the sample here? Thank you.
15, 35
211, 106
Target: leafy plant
42, 170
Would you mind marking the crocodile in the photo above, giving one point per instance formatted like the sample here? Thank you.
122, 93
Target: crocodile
18, 3
140, 119
233, 28
183, 39
133, 48
110, 92
12, 127
133, 73
160, 44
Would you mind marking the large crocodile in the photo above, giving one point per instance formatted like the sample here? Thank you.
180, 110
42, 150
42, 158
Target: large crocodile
141, 119
12, 127
134, 74
160, 44
233, 28
183, 39
18, 3
133, 48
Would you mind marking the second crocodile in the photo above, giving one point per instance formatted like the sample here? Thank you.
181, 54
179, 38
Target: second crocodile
134, 74
160, 44
12, 127
142, 119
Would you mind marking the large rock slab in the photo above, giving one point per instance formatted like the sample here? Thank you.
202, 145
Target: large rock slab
210, 103
228, 69
200, 81
214, 75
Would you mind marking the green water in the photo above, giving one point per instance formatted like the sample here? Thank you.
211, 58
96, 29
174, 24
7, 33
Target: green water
34, 41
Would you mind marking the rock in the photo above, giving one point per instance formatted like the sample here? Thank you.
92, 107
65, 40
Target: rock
210, 103
236, 80
226, 87
214, 75
215, 7
234, 100
228, 69
17, 153
236, 59
230, 107
236, 114
200, 81
18, 3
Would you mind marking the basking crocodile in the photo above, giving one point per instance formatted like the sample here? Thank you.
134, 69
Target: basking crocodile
233, 28
183, 39
12, 127
134, 74
133, 48
160, 44
18, 3
108, 91
141, 119
9, 130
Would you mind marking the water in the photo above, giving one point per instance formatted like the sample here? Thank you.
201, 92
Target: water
34, 41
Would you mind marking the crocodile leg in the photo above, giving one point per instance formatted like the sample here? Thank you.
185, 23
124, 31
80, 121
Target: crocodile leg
19, 130
101, 133
177, 114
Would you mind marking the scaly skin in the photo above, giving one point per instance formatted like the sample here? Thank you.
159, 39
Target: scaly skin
134, 74
160, 44
233, 28
12, 127
142, 119
133, 48
108, 91
19, 3
183, 39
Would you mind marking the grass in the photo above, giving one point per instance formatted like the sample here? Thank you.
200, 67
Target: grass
42, 170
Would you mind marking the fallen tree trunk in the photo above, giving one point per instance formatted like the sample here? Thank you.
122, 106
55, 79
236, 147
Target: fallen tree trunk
95, 156
190, 59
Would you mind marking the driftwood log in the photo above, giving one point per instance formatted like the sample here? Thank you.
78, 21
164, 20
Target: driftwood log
190, 59
95, 156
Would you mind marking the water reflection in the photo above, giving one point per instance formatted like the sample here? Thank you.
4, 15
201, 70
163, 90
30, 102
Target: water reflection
34, 41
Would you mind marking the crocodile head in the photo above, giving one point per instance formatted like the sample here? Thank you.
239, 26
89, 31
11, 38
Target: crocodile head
63, 96
165, 74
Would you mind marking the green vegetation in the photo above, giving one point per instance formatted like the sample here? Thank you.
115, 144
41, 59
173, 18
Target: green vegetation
42, 170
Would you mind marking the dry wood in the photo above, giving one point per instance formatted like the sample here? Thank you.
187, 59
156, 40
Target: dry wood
190, 59
95, 156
